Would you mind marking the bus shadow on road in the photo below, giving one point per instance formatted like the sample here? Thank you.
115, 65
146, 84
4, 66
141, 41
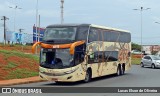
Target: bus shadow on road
82, 82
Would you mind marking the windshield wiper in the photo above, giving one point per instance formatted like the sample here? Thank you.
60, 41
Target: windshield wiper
58, 41
49, 41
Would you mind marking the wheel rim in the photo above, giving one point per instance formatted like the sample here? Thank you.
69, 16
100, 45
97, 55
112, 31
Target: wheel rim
153, 66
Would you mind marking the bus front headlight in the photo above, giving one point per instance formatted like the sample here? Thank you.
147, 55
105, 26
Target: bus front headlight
71, 71
68, 72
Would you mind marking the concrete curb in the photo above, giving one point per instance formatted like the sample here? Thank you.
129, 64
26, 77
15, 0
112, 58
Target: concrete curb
20, 81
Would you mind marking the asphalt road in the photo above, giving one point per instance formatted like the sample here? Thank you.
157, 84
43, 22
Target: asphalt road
135, 77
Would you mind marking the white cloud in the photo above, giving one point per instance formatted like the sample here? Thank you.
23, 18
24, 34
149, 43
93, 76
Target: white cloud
9, 4
156, 19
44, 13
114, 13
4, 8
49, 13
138, 3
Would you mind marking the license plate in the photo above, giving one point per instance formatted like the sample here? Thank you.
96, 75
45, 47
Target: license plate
54, 79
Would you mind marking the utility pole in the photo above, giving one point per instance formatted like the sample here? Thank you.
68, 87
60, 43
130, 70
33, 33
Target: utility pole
141, 11
62, 19
4, 19
36, 24
39, 29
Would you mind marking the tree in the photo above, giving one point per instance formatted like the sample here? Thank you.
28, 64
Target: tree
136, 46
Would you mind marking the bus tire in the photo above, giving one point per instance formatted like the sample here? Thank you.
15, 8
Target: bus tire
118, 71
88, 76
123, 69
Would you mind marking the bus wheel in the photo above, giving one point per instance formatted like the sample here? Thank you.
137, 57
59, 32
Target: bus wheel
118, 71
88, 76
123, 70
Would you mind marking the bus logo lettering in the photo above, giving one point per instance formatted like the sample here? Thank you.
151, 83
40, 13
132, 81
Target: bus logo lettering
56, 46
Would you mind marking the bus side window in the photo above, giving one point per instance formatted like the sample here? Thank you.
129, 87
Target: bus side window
93, 36
79, 54
82, 33
111, 56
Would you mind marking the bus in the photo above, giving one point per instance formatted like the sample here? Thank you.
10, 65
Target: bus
75, 52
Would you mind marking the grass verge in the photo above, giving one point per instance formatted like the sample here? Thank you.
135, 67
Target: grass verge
16, 65
19, 54
21, 73
11, 65
136, 61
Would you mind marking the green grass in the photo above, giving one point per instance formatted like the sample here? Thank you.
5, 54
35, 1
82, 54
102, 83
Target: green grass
136, 61
13, 45
19, 54
12, 69
21, 73
11, 65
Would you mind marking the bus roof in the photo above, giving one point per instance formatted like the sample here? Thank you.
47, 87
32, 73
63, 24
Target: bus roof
92, 25
67, 25
109, 28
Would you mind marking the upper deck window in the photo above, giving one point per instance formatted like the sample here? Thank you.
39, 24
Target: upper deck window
60, 33
82, 33
97, 34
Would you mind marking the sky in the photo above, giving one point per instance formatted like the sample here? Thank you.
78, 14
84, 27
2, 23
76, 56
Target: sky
111, 13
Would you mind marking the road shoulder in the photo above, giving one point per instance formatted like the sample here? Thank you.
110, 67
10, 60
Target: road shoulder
20, 81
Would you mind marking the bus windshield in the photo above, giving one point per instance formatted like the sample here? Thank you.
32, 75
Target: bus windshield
56, 59
60, 33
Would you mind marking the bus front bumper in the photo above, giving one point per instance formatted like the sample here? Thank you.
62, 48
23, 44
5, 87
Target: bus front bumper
67, 77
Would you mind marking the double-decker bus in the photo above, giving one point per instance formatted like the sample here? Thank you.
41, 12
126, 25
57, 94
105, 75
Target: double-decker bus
74, 52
